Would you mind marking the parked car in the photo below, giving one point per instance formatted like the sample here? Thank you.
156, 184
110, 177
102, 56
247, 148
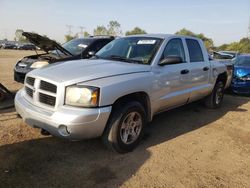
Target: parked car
116, 93
224, 55
75, 49
231, 53
241, 78
26, 47
226, 59
8, 46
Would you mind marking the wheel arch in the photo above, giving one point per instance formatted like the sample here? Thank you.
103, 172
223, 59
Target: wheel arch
141, 96
222, 77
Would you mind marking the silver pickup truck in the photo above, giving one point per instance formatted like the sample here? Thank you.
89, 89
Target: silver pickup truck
117, 92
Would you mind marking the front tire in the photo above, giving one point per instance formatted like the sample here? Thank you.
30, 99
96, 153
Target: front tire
125, 127
214, 100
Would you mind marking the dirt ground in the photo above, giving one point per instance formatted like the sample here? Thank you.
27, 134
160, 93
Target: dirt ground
187, 147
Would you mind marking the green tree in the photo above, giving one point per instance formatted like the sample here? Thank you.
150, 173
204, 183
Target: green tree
184, 31
69, 37
136, 31
19, 37
243, 46
100, 30
86, 34
207, 41
114, 28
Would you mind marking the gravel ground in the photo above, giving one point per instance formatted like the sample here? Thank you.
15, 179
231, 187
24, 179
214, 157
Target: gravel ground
187, 147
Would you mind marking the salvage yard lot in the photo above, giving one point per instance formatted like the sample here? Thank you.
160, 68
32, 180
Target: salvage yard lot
188, 147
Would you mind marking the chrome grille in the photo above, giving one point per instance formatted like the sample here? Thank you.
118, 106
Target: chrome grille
47, 99
30, 81
46, 86
40, 92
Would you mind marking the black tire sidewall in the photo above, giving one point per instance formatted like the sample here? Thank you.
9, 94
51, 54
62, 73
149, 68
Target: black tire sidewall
114, 126
218, 85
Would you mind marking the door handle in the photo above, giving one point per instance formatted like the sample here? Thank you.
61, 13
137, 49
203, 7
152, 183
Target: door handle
205, 68
185, 71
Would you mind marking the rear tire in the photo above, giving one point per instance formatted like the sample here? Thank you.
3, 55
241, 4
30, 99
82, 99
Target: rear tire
214, 100
125, 127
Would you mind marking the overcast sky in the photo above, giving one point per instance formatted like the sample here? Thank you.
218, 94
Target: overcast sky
222, 20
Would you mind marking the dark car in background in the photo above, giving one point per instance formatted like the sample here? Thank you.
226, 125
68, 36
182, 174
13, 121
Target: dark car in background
80, 48
241, 79
26, 47
224, 55
8, 46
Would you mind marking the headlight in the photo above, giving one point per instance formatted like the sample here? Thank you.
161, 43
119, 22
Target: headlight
244, 78
83, 96
39, 64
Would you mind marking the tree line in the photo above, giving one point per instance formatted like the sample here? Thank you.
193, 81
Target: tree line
242, 46
114, 28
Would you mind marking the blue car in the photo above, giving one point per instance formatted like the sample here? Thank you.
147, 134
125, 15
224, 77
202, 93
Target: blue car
241, 79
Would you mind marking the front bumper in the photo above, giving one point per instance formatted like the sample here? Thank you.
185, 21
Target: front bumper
241, 87
20, 73
67, 122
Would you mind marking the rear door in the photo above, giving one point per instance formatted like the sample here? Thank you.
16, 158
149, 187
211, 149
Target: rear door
199, 69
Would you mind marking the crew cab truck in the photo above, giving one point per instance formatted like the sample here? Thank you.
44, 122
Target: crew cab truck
116, 93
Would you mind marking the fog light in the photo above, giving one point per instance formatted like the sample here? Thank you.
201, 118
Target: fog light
63, 130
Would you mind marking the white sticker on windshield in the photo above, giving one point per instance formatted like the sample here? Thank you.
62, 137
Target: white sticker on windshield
82, 45
146, 41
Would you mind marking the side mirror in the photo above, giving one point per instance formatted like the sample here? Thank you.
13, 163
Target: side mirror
91, 53
171, 60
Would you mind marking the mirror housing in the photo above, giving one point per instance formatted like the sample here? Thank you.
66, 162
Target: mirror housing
170, 60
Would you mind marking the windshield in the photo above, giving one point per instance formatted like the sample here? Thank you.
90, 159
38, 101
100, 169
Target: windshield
242, 61
76, 46
131, 49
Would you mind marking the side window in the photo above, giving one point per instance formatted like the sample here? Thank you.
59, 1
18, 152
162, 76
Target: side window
194, 49
174, 48
100, 44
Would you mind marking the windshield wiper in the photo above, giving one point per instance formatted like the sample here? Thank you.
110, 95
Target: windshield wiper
120, 58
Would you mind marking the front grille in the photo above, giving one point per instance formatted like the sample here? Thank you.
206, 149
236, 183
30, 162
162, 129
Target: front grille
46, 86
30, 81
47, 99
41, 93
29, 91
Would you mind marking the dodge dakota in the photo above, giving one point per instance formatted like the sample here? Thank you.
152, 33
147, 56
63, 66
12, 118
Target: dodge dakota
116, 93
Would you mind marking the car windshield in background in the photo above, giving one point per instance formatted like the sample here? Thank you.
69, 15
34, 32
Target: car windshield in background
131, 49
243, 61
76, 46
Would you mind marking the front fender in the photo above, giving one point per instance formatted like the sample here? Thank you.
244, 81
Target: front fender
112, 88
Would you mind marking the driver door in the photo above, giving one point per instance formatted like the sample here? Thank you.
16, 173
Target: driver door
173, 79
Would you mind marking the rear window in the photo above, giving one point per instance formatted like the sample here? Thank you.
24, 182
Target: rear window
195, 52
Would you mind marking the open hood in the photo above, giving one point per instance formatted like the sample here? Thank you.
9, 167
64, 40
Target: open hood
45, 43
